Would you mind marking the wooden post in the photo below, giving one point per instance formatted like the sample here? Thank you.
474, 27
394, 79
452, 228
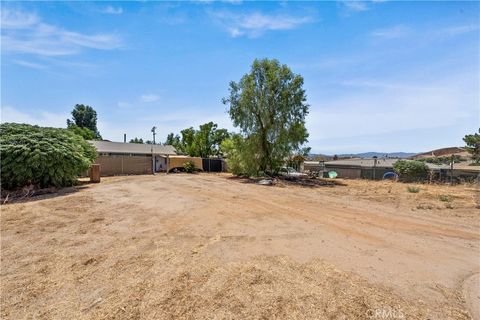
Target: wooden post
95, 173
168, 162
452, 161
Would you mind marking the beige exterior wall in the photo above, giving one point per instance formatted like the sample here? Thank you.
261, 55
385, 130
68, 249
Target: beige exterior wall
118, 165
178, 161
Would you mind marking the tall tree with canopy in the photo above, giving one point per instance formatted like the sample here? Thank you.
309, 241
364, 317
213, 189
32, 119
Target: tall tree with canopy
84, 116
269, 106
473, 146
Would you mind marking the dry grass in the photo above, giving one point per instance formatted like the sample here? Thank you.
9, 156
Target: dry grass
206, 247
261, 288
431, 196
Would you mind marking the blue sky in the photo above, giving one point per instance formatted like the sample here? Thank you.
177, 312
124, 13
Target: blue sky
379, 76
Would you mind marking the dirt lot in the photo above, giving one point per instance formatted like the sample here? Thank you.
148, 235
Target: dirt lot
209, 246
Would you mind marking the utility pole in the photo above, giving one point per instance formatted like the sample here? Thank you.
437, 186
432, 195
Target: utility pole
374, 166
151, 148
154, 133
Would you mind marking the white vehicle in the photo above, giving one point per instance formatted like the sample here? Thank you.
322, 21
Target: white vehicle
291, 172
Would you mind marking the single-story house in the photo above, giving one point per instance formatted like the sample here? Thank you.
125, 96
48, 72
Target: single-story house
119, 158
116, 158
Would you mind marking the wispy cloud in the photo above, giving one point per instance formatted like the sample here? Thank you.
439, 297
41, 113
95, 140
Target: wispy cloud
149, 97
31, 65
41, 117
256, 24
213, 1
355, 5
394, 32
394, 106
457, 30
17, 19
112, 10
26, 33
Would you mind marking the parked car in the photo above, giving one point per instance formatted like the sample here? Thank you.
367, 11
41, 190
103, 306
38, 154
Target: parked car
291, 172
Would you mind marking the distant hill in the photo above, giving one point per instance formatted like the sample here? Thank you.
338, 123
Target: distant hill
444, 152
366, 155
379, 155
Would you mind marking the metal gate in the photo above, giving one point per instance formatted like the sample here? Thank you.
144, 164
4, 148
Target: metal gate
212, 165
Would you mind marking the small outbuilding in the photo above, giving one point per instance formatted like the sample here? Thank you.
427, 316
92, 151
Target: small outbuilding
118, 158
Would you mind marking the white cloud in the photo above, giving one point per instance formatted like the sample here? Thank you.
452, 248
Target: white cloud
394, 32
26, 33
355, 5
378, 109
457, 30
41, 118
113, 10
149, 97
29, 64
17, 19
256, 24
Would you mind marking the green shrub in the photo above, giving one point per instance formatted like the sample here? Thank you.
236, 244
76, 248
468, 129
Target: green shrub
241, 161
411, 170
443, 160
189, 167
42, 156
444, 198
413, 189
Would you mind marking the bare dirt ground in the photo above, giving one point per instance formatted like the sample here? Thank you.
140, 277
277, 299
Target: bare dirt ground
209, 246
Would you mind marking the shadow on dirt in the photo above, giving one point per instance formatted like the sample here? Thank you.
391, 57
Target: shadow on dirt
30, 193
289, 181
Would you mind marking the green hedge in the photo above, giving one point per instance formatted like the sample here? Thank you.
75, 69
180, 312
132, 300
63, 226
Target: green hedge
411, 170
42, 156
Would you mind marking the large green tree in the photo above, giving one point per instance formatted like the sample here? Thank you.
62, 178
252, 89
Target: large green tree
173, 140
269, 106
473, 145
84, 116
86, 133
208, 139
204, 142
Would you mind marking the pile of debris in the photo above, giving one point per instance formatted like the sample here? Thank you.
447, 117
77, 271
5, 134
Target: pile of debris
282, 181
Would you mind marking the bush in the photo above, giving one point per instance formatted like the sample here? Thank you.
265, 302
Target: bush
412, 189
444, 198
241, 161
42, 156
189, 167
411, 170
